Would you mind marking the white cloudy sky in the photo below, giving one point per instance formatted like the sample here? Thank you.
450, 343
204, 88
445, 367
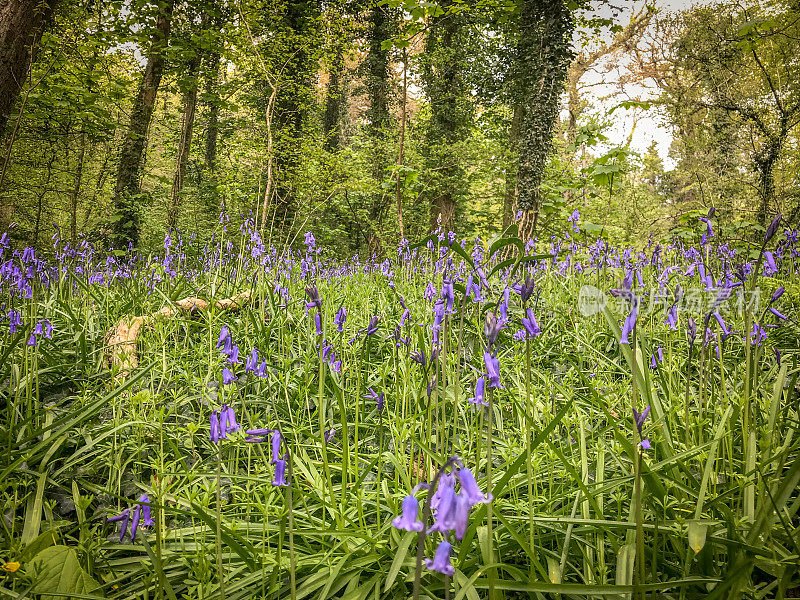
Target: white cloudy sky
648, 125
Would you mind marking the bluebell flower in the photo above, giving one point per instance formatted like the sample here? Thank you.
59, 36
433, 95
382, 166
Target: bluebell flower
318, 323
777, 314
408, 520
224, 334
480, 387
251, 365
773, 228
492, 369
280, 472
227, 376
441, 560
227, 419
329, 434
639, 419
777, 294
340, 318
124, 516
491, 328
48, 329
530, 324
276, 445
313, 298
469, 487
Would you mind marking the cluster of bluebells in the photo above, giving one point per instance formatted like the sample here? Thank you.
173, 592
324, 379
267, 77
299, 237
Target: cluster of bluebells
133, 515
258, 436
450, 508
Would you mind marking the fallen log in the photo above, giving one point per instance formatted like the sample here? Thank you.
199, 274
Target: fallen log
121, 350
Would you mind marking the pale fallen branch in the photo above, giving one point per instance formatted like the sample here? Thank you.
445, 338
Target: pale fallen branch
121, 338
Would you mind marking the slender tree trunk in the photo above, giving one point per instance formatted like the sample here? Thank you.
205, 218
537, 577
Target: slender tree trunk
404, 100
130, 160
376, 63
22, 23
76, 189
212, 132
185, 144
334, 103
510, 200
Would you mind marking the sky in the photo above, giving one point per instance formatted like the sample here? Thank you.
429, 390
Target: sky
649, 126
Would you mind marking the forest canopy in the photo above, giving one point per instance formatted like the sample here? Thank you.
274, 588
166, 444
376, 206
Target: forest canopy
369, 122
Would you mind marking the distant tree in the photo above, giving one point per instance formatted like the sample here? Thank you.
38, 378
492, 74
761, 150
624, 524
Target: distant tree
127, 191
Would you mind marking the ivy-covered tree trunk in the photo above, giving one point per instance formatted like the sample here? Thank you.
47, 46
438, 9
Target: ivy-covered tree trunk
21, 25
510, 198
444, 66
127, 190
543, 56
382, 26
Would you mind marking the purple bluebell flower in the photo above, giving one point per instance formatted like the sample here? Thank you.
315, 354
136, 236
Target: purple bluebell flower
448, 294
224, 335
480, 387
340, 318
216, 430
32, 340
773, 228
418, 356
444, 509
38, 329
313, 297
372, 327
14, 321
329, 434
691, 331
252, 361
758, 336
639, 418
227, 420
491, 328
48, 329
408, 520
770, 262
318, 323
726, 331
525, 289
630, 322
777, 314
280, 472
441, 560
777, 294
233, 357
492, 369
531, 326
276, 445
777, 356
227, 376
373, 395
124, 516
469, 487
404, 316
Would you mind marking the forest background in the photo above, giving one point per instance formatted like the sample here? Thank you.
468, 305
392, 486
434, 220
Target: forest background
368, 122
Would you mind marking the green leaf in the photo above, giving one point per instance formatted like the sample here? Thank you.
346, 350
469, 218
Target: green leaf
56, 570
399, 557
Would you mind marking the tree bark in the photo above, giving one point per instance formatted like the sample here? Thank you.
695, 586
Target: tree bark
127, 189
334, 102
543, 56
212, 132
510, 200
185, 144
22, 23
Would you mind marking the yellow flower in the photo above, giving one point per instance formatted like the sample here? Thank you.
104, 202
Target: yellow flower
11, 567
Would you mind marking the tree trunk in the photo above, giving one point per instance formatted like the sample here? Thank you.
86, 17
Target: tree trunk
185, 144
76, 189
543, 56
212, 132
510, 200
444, 66
401, 150
376, 64
21, 25
334, 103
130, 159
